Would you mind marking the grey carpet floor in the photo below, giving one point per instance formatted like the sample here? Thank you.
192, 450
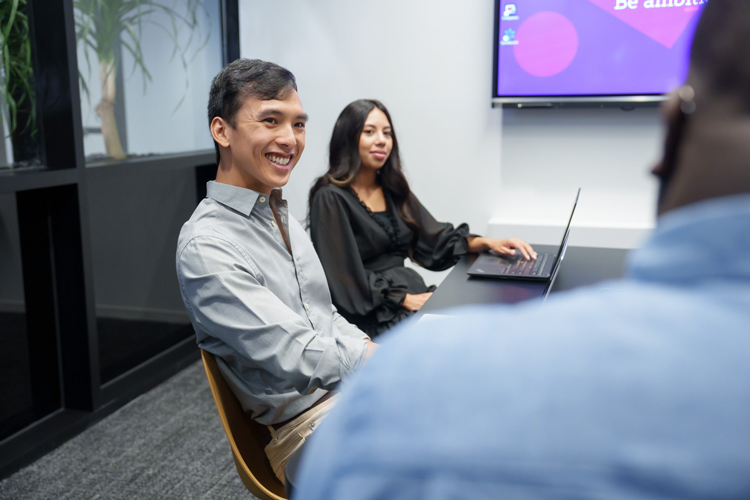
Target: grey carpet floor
166, 444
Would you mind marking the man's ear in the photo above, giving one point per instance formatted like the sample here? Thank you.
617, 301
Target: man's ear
673, 111
669, 112
220, 131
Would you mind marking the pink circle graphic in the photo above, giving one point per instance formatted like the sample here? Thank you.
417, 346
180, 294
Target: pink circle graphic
547, 44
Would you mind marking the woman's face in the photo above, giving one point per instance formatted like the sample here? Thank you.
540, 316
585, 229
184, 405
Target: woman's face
376, 140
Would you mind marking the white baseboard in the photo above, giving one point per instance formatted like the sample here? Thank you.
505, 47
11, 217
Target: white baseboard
582, 234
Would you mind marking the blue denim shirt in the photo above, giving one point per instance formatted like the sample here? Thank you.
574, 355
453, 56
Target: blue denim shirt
635, 389
264, 312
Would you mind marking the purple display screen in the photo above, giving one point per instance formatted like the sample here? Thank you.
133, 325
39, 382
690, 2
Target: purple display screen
593, 47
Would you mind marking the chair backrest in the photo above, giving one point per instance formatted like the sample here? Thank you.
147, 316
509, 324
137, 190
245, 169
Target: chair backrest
246, 437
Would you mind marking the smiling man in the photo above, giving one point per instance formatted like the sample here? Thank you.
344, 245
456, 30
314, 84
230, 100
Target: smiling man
251, 281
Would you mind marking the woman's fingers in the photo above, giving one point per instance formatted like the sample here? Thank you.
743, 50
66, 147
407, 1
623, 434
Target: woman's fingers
504, 250
415, 302
526, 250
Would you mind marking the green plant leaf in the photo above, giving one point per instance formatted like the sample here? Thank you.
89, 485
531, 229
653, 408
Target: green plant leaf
15, 46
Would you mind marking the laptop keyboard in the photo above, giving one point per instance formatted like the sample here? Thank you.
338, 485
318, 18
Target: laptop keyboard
527, 267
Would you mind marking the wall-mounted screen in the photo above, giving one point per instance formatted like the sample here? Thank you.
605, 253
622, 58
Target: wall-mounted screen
579, 50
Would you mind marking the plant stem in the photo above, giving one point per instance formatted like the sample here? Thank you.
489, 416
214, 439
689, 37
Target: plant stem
106, 109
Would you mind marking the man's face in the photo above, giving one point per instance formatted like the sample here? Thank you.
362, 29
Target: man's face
267, 140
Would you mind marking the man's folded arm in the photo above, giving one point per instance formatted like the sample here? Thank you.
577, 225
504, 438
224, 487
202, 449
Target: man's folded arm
223, 288
347, 328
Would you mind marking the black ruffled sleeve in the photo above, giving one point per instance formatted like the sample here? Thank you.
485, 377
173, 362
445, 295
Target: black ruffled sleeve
439, 245
354, 289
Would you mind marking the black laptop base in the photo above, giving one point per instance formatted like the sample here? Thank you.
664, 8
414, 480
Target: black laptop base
512, 268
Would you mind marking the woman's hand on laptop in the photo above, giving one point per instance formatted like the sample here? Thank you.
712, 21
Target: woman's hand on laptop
506, 246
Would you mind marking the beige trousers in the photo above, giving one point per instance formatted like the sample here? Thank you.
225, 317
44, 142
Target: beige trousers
287, 439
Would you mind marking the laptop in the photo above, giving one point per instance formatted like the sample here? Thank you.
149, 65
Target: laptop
515, 267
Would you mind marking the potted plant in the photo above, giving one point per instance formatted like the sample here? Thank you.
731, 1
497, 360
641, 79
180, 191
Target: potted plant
103, 25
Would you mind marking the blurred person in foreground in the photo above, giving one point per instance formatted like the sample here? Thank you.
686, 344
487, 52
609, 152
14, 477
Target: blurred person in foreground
639, 388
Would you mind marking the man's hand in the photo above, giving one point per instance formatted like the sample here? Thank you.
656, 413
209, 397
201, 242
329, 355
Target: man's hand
415, 302
507, 246
371, 348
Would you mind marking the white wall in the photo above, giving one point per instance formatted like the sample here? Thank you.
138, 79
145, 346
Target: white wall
431, 64
548, 153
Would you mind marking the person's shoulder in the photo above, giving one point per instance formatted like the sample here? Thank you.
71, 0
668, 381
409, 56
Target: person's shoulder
330, 196
415, 203
198, 220
206, 226
204, 213
203, 217
330, 191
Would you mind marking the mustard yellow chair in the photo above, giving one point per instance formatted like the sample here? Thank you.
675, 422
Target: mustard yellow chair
246, 437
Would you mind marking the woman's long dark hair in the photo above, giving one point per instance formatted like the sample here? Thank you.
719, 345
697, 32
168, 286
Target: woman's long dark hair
344, 160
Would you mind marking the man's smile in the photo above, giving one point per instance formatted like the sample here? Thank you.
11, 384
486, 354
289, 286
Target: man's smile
279, 159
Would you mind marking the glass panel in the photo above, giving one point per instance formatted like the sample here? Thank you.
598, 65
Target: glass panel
135, 219
18, 408
19, 146
145, 74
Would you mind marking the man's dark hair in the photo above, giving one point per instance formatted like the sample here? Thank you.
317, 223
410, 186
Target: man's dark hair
243, 79
720, 54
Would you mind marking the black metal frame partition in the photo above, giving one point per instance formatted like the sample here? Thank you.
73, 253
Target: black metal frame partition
53, 218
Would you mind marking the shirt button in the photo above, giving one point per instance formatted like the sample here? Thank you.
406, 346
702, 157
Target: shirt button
296, 262
273, 224
262, 199
307, 306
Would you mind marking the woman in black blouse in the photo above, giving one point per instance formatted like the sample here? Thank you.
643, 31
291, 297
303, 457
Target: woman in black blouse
364, 221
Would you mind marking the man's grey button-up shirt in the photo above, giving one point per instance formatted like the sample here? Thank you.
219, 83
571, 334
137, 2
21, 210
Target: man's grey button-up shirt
265, 313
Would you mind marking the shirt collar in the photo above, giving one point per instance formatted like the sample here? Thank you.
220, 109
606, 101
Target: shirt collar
706, 239
237, 198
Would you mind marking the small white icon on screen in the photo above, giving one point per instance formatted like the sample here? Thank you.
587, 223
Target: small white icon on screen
509, 38
509, 12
